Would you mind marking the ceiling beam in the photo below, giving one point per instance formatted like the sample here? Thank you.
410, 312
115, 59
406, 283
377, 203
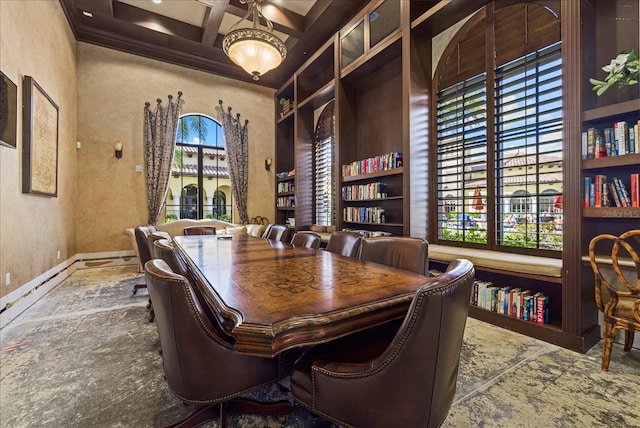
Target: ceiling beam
212, 21
102, 7
284, 21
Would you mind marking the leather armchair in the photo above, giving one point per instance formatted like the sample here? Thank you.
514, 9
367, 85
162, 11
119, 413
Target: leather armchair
344, 243
401, 252
407, 380
199, 230
278, 232
199, 363
306, 239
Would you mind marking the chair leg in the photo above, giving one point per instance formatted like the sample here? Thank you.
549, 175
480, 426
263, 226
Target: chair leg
237, 406
607, 344
199, 417
628, 340
138, 287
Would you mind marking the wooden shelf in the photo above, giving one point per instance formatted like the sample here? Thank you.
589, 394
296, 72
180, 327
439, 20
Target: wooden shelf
612, 110
288, 178
320, 97
286, 193
389, 198
551, 333
286, 208
386, 173
611, 161
286, 116
611, 212
375, 224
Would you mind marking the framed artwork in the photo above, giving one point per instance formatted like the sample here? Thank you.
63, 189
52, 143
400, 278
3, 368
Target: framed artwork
8, 112
39, 141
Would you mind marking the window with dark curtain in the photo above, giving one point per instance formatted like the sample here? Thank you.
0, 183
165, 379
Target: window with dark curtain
199, 184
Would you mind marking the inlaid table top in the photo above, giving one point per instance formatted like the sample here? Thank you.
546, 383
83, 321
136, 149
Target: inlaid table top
270, 296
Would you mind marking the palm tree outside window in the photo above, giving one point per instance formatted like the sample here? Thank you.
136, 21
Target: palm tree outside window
199, 186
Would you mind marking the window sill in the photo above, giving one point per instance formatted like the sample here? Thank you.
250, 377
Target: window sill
499, 261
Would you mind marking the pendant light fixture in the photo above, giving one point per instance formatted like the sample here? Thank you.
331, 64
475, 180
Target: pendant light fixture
256, 51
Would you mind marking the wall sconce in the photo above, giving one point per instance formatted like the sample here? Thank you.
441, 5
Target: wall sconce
267, 163
117, 146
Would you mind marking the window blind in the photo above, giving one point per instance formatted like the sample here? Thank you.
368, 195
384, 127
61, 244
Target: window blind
462, 161
528, 94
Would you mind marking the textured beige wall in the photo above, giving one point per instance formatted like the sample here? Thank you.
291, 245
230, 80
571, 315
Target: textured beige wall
35, 40
112, 89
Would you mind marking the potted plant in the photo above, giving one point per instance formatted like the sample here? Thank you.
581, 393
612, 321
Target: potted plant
623, 70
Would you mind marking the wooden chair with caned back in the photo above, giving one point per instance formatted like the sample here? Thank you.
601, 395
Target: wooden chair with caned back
617, 287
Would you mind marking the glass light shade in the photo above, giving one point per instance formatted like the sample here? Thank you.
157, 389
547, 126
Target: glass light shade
254, 50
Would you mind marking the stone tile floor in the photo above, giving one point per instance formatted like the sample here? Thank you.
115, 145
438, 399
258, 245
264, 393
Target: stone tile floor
86, 356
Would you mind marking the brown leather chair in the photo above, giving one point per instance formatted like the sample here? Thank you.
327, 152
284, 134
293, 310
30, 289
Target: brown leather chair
163, 249
306, 239
615, 261
199, 363
199, 230
142, 234
344, 243
405, 380
278, 232
397, 251
267, 230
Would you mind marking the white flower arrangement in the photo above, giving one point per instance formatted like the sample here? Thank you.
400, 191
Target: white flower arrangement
622, 70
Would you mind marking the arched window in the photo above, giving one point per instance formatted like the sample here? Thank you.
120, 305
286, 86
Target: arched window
323, 168
200, 174
520, 202
548, 200
498, 113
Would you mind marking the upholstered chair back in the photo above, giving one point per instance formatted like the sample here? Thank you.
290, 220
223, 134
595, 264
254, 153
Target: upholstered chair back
306, 239
401, 252
199, 363
142, 236
278, 232
344, 243
408, 380
199, 230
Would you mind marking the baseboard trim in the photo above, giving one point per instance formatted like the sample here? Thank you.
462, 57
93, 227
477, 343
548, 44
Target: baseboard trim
20, 299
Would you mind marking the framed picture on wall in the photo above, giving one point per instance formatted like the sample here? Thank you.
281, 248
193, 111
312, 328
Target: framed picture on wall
8, 112
39, 141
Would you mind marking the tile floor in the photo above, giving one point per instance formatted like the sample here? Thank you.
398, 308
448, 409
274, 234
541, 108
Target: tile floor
86, 356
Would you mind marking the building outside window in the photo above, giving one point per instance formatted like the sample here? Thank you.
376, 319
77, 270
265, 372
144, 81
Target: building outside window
499, 142
199, 186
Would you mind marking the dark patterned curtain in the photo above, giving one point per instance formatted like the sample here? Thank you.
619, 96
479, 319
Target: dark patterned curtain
159, 135
236, 144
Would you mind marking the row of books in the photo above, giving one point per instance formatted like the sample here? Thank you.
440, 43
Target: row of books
379, 163
286, 202
599, 191
618, 140
514, 302
364, 214
369, 233
286, 104
286, 186
362, 192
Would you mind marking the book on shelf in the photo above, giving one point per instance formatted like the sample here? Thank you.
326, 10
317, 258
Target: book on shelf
635, 190
601, 192
621, 138
622, 192
383, 162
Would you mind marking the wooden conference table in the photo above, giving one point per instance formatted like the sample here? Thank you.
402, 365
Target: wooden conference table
271, 297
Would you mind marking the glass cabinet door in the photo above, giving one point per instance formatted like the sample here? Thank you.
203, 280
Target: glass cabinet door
384, 20
352, 45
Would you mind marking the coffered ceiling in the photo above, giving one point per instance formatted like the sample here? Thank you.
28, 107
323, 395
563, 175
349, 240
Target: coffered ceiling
190, 32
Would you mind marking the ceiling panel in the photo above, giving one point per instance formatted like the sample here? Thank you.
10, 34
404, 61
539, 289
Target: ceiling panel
190, 32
